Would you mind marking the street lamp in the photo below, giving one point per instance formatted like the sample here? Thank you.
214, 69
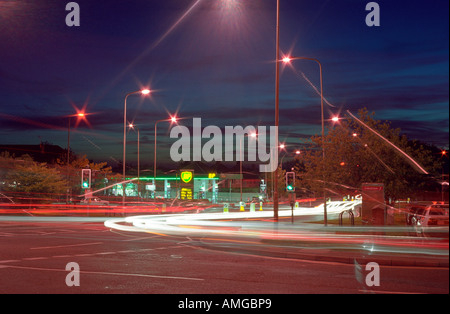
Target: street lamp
443, 154
172, 120
277, 111
143, 92
335, 119
241, 157
134, 127
79, 115
289, 60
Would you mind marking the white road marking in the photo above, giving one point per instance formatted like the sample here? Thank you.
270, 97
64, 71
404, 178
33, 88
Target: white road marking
105, 273
64, 246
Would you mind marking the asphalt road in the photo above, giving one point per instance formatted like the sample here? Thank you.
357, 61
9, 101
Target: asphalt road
34, 256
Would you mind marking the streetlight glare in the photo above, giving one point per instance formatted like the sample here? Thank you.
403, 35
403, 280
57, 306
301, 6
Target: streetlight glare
335, 119
287, 60
229, 4
145, 92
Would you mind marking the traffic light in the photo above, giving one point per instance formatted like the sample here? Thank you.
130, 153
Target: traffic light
290, 181
86, 178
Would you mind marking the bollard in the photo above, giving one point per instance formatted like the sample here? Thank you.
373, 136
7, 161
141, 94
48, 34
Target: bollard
260, 206
252, 207
242, 205
226, 209
297, 205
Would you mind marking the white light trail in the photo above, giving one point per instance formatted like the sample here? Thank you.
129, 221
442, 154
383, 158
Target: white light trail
414, 163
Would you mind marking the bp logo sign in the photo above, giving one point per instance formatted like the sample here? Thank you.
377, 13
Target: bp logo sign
186, 176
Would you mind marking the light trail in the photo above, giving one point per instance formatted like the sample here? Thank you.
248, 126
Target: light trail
252, 225
173, 27
108, 187
414, 163
160, 39
303, 75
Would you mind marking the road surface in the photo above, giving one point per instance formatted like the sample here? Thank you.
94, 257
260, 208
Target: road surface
34, 256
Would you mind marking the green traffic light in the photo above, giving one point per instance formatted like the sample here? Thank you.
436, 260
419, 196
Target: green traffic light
290, 188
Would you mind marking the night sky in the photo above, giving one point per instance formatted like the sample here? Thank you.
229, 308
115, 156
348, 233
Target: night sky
217, 63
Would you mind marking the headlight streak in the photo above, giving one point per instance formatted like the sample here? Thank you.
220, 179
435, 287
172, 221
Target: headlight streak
231, 225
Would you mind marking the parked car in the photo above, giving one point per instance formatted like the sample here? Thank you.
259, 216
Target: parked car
94, 201
413, 211
432, 215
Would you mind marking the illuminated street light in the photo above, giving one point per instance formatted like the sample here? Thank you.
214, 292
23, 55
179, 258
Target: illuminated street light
143, 92
80, 115
277, 111
228, 4
134, 127
287, 60
173, 119
444, 154
254, 136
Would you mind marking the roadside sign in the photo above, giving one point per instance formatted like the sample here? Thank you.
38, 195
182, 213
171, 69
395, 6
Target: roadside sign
373, 204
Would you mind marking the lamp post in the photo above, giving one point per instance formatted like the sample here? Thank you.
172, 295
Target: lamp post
134, 127
241, 157
288, 60
173, 119
79, 115
443, 154
142, 92
277, 112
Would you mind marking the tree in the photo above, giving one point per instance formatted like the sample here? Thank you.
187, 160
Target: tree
33, 177
355, 154
24, 175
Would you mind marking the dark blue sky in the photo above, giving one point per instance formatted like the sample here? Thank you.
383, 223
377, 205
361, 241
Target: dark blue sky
217, 64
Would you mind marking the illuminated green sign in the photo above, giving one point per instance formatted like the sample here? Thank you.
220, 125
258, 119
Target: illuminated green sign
186, 176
